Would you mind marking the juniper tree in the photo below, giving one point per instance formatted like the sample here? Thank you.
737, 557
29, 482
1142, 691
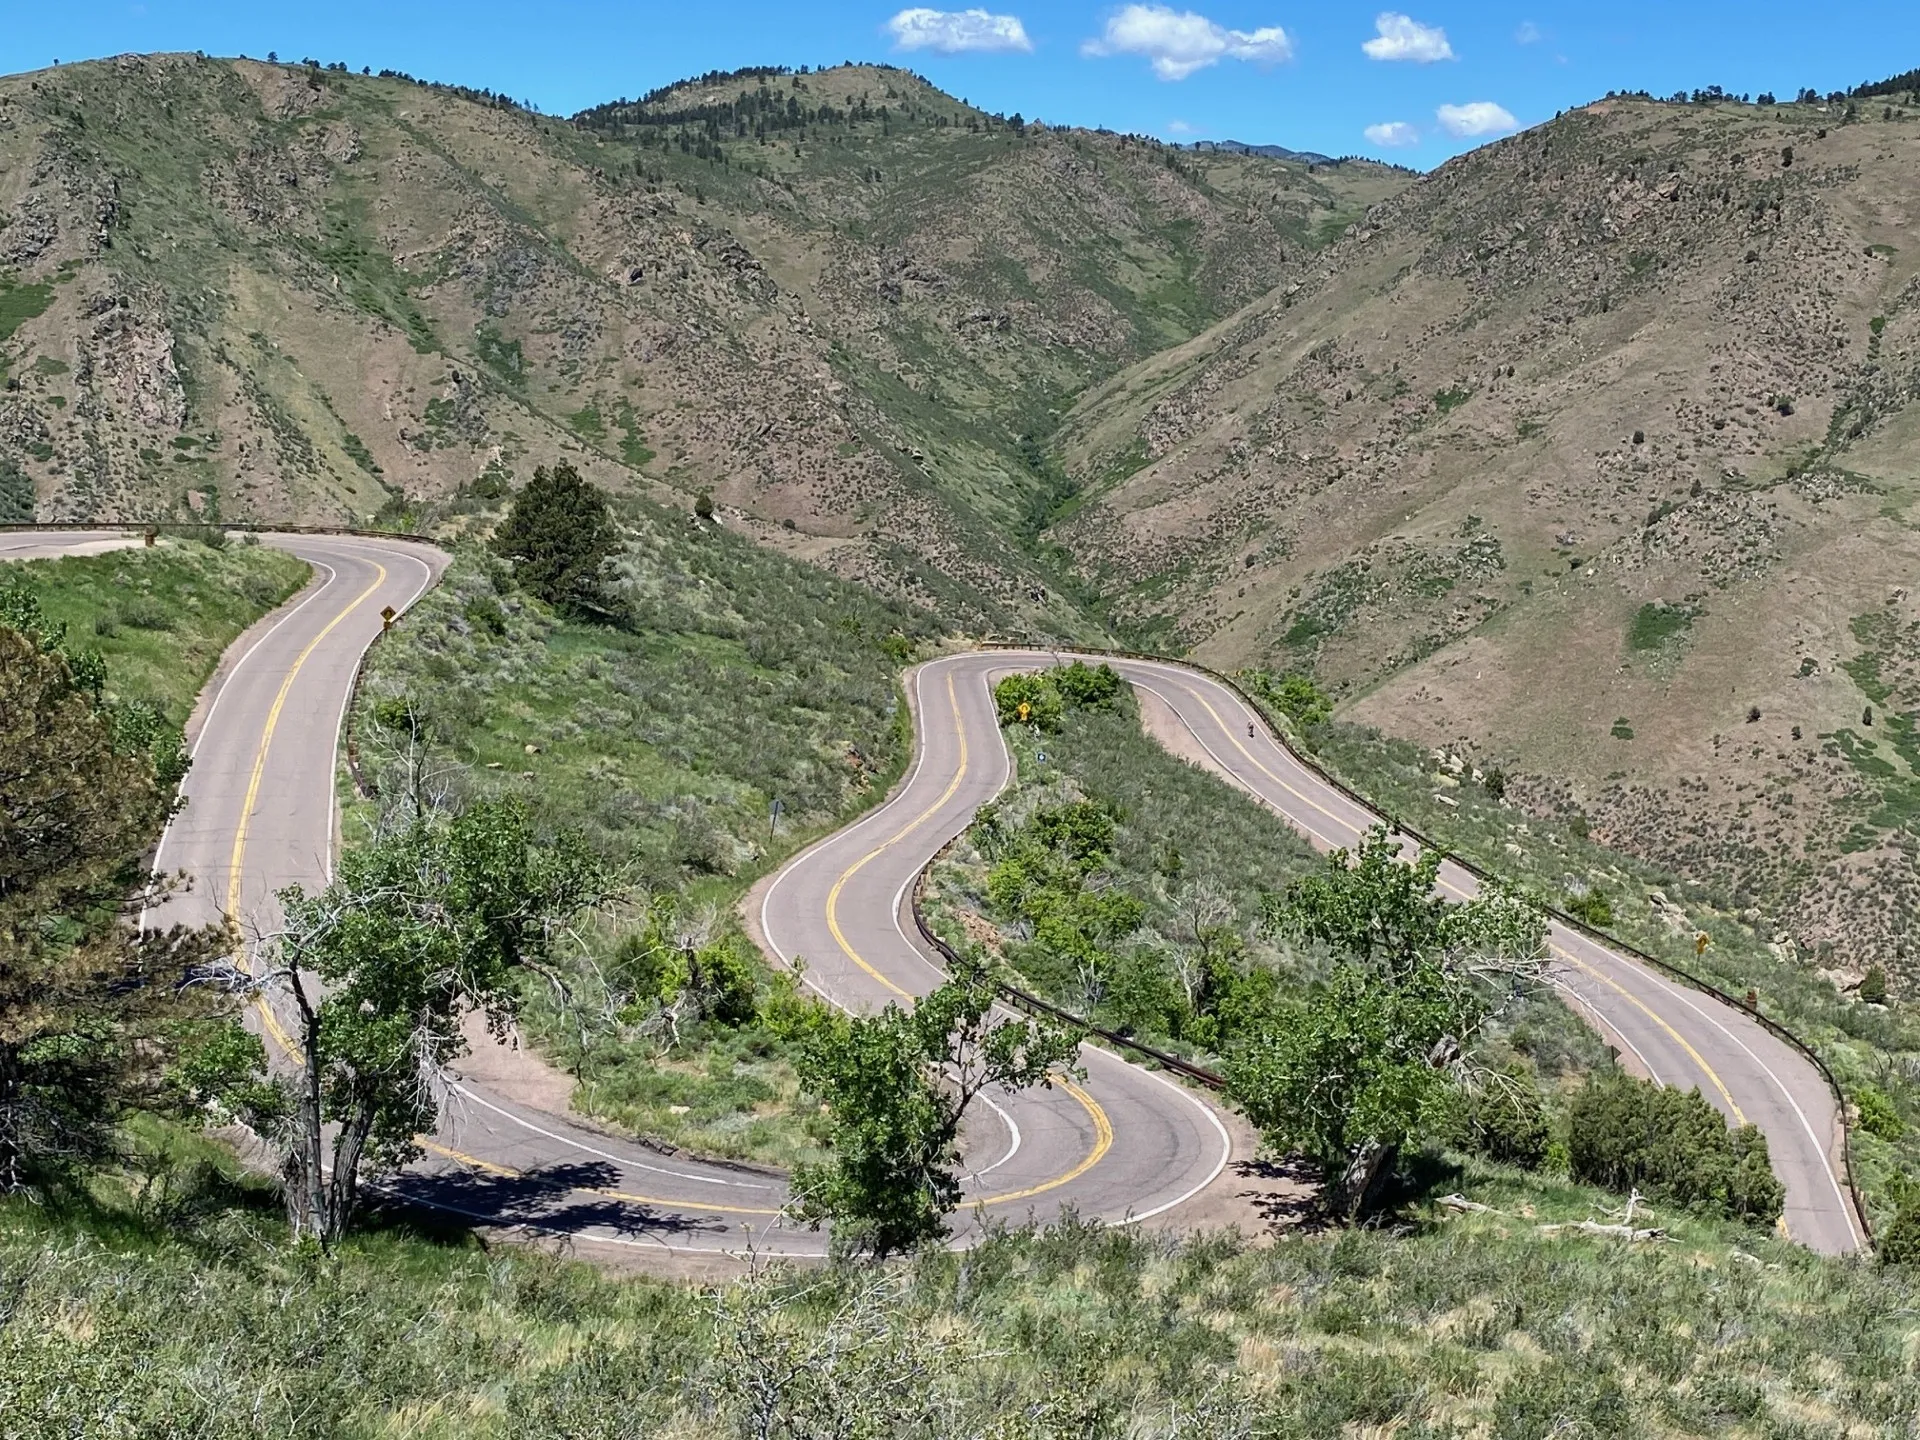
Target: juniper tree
87, 1003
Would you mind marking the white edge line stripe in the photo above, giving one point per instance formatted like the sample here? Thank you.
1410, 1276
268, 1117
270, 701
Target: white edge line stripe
226, 683
1661, 982
586, 1149
1602, 1023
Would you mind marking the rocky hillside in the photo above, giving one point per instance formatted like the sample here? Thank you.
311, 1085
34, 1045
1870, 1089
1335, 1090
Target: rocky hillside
846, 304
1594, 454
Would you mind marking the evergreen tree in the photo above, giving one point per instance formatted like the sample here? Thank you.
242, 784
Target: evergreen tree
87, 1005
560, 535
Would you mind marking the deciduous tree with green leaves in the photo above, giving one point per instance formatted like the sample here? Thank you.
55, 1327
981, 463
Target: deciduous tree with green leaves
1369, 1059
87, 1004
896, 1086
418, 928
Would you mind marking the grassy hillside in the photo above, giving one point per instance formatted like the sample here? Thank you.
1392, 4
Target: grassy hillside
1590, 453
1464, 1325
160, 617
259, 291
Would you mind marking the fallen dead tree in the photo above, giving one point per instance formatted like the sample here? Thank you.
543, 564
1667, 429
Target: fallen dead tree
1624, 1229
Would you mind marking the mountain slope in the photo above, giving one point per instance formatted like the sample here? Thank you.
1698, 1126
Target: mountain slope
1592, 452
279, 292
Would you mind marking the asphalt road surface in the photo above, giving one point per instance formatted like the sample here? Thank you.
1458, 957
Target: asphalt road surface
1673, 1033
1127, 1144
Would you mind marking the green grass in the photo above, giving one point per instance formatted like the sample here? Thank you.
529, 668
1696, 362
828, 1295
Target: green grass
373, 282
21, 303
1654, 624
587, 424
633, 440
161, 617
178, 1308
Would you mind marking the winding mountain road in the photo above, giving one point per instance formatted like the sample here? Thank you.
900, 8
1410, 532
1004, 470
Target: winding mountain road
1126, 1145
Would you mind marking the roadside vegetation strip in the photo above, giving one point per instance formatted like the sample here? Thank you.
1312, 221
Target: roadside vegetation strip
1861, 1217
1045, 1009
162, 618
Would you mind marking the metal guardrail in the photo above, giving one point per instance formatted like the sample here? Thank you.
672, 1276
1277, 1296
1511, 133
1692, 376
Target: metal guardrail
1667, 967
161, 527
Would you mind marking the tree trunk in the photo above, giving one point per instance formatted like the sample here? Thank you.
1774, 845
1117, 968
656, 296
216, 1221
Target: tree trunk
304, 1177
343, 1193
1356, 1182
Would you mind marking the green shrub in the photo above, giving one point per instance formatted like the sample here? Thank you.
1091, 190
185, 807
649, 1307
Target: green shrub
1029, 699
1656, 623
483, 612
1082, 686
1877, 1115
1873, 986
1503, 1119
144, 613
1049, 694
1899, 1243
1628, 1134
1293, 695
1590, 906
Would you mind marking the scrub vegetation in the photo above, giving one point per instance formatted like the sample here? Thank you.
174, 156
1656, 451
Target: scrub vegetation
1456, 1325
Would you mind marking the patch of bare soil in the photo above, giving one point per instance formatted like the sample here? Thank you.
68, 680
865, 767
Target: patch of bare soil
1258, 1198
514, 1072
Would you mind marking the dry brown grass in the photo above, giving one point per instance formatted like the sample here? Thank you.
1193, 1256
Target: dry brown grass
1316, 464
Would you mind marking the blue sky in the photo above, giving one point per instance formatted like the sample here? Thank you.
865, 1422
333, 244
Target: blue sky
1413, 85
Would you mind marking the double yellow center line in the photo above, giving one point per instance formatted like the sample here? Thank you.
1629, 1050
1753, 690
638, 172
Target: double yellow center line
1102, 1126
1698, 1059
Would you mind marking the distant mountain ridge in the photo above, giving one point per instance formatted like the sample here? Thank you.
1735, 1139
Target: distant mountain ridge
849, 306
1270, 152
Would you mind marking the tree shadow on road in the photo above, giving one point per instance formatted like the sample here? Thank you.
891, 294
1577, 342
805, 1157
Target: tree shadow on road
564, 1198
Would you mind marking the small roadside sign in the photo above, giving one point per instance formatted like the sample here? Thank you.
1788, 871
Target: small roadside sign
387, 617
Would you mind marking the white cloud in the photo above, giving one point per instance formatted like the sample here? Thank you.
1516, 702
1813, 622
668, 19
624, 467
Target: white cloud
1528, 34
1402, 37
1476, 117
1179, 42
1179, 127
953, 32
1392, 132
